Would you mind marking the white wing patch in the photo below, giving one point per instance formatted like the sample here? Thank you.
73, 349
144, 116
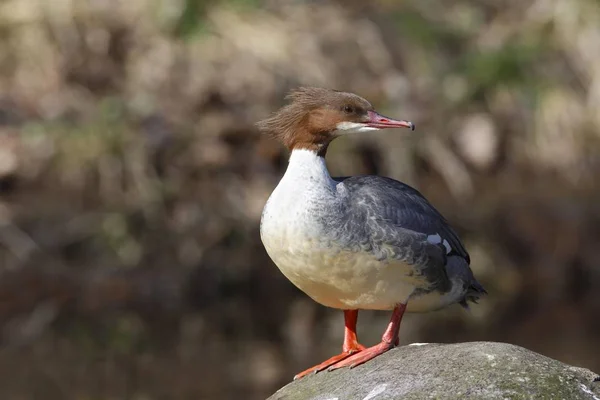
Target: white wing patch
437, 239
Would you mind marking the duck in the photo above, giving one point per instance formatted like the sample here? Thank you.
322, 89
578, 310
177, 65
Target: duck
360, 242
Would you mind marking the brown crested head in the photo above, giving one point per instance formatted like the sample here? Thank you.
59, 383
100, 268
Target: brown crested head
316, 116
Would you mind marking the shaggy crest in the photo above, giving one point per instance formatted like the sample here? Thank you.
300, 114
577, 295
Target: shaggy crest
311, 117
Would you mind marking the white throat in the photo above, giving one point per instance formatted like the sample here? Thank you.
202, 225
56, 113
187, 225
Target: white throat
306, 166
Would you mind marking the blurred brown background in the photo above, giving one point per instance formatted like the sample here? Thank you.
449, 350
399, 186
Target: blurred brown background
132, 181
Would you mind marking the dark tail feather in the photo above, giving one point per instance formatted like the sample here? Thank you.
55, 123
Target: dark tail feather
474, 292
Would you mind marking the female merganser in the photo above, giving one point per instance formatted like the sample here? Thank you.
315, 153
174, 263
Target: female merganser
361, 242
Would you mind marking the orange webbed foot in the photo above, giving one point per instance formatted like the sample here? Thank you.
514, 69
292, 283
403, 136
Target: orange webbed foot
331, 361
362, 357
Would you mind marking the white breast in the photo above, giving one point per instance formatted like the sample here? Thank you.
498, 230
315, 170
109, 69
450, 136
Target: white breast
290, 230
295, 241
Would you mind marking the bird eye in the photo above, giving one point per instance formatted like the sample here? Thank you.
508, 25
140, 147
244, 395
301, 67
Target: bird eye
348, 109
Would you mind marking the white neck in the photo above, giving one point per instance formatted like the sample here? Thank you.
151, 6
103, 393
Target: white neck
305, 192
306, 165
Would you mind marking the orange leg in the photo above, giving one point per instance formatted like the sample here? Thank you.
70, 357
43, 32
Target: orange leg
351, 345
389, 339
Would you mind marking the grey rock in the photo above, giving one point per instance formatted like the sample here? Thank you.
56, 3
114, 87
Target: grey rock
476, 370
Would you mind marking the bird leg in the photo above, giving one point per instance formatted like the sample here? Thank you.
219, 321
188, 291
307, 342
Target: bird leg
350, 347
389, 339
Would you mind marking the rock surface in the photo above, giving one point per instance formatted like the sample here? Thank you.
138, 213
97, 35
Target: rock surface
476, 370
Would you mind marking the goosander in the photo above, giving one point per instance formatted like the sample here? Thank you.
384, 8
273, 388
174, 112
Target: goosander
360, 242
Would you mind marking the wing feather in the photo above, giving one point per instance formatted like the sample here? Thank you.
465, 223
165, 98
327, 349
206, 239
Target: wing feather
400, 205
395, 221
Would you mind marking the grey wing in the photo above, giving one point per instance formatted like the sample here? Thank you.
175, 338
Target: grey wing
398, 222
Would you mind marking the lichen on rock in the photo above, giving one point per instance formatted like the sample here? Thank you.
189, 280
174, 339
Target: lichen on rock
476, 370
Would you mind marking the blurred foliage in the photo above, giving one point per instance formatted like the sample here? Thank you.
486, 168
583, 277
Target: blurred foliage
132, 181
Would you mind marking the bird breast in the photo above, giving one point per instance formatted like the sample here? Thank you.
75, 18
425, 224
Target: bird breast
297, 240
